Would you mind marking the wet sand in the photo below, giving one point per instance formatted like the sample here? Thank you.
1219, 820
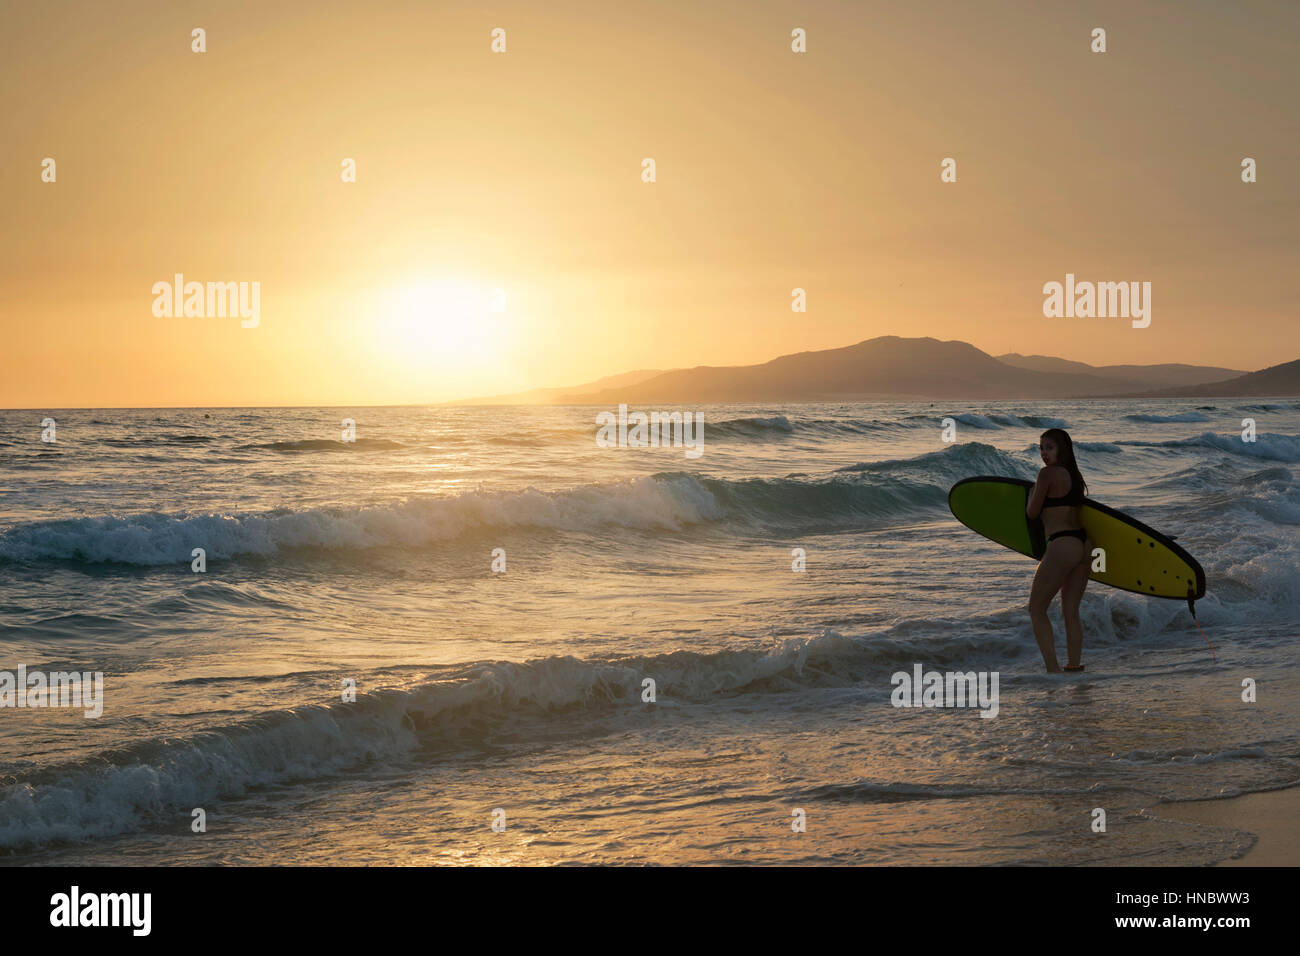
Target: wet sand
1273, 817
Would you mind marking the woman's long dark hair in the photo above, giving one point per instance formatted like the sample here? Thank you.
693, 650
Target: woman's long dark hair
1065, 455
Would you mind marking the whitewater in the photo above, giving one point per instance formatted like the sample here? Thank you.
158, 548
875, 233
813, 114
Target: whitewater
499, 590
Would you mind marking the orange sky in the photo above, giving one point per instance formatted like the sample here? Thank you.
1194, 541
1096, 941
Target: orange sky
522, 171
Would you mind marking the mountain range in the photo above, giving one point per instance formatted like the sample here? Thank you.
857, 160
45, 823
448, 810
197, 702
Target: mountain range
893, 368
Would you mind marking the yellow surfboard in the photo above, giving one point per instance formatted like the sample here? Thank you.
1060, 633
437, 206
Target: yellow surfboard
1138, 558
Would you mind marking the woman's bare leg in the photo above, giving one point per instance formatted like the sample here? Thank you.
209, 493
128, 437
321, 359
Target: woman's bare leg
1055, 567
1071, 596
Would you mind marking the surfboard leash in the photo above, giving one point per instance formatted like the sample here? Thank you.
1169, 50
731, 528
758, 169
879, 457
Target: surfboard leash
1191, 606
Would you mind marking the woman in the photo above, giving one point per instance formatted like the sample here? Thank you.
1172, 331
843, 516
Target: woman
1055, 498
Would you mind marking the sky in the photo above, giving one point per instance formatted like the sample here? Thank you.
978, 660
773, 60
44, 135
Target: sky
500, 235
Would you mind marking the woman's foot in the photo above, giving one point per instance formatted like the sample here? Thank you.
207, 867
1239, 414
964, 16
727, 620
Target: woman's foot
1074, 667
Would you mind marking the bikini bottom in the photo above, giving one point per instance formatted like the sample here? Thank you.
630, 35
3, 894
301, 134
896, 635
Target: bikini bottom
1079, 533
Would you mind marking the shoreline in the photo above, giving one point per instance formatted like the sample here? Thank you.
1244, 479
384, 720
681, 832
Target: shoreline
1271, 816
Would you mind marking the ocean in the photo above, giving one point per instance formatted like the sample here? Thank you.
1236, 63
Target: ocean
499, 590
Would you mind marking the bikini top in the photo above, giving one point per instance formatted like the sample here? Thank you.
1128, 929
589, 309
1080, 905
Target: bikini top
1071, 498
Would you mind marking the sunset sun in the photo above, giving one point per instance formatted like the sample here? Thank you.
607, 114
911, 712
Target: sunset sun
441, 323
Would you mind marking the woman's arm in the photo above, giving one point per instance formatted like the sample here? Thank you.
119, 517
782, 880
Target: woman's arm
1038, 494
